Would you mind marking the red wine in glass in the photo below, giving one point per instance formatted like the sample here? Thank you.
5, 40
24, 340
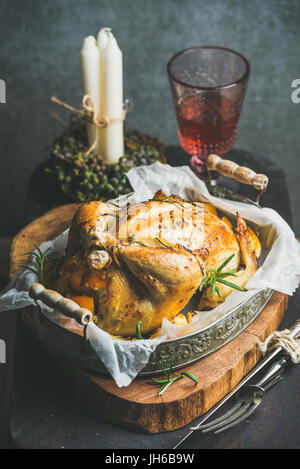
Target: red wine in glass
206, 125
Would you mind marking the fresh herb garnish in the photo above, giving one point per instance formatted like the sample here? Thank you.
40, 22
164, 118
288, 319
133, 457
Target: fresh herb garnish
217, 276
140, 243
163, 244
169, 200
138, 331
189, 375
165, 383
43, 263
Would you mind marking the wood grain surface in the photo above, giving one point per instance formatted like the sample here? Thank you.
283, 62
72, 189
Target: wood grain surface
138, 405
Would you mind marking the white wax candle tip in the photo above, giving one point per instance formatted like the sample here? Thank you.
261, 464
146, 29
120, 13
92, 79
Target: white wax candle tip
103, 36
89, 43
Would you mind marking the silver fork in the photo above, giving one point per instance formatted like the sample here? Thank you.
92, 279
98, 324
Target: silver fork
249, 398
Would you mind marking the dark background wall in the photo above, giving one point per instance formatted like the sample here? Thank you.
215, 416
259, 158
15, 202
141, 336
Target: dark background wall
40, 45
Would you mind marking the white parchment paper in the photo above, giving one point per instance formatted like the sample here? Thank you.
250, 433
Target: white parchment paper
280, 269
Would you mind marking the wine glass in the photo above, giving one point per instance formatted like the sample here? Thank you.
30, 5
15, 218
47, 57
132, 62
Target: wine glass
208, 85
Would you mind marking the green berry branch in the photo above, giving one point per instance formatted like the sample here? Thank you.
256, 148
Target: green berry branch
85, 178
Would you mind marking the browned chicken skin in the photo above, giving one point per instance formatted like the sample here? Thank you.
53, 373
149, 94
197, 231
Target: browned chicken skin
145, 262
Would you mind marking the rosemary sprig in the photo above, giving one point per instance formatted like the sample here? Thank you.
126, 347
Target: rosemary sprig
217, 276
138, 331
163, 244
165, 383
43, 261
169, 200
140, 243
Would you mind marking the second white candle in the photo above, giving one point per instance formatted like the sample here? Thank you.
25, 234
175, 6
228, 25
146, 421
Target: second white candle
111, 139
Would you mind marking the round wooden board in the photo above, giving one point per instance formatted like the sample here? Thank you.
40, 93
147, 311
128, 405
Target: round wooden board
42, 229
138, 405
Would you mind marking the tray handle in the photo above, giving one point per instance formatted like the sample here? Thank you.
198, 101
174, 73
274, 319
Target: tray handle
66, 306
241, 174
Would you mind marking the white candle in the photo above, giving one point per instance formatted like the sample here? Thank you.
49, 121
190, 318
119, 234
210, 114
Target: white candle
111, 96
90, 61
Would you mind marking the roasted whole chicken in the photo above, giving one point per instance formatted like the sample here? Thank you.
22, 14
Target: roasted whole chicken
145, 261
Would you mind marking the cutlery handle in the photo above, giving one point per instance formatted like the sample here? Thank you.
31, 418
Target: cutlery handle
241, 174
275, 370
295, 330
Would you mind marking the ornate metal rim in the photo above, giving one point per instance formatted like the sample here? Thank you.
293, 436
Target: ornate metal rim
185, 350
181, 351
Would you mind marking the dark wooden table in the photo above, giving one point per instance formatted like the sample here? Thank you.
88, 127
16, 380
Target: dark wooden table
47, 413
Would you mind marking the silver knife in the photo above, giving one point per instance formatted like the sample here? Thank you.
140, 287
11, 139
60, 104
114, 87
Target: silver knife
295, 329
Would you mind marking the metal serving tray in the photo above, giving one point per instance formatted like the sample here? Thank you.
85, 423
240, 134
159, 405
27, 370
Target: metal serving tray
183, 350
